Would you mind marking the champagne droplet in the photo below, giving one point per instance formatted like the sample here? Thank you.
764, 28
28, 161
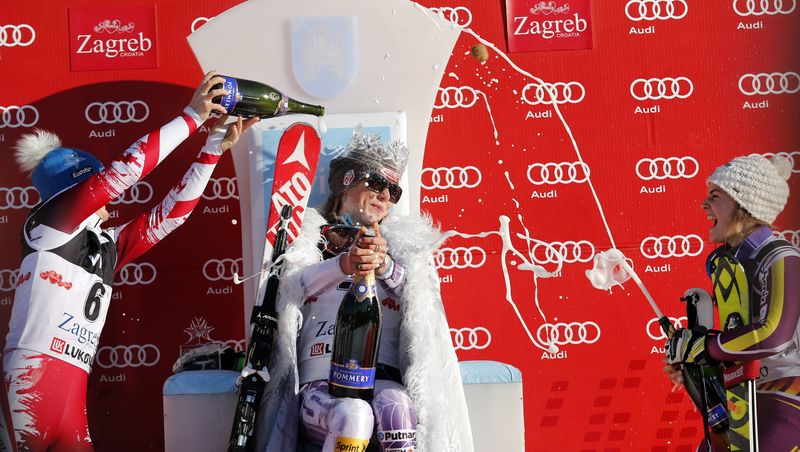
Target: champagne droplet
321, 125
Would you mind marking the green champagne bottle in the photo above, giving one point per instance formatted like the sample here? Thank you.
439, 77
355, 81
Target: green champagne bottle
356, 340
247, 99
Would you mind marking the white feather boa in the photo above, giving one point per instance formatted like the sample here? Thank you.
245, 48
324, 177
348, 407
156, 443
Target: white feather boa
430, 368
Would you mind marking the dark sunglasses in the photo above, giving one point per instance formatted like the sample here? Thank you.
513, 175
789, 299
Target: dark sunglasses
378, 183
338, 237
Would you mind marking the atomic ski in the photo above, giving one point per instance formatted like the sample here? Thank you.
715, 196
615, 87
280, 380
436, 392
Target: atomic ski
295, 167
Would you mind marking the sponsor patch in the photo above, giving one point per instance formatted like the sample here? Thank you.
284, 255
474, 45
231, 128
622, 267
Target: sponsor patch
397, 435
318, 349
344, 444
348, 177
57, 345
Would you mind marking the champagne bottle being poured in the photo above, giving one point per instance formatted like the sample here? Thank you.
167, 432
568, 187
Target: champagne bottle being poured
247, 99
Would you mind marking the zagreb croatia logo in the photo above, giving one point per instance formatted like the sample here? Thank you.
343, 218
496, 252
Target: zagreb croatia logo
113, 37
548, 25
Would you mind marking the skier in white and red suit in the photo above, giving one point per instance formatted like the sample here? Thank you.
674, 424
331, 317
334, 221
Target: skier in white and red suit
419, 402
65, 280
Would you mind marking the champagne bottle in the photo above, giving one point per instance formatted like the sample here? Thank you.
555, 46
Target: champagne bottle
247, 98
356, 340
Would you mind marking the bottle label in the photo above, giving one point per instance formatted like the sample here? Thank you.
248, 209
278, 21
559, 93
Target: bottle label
716, 415
364, 288
229, 101
352, 375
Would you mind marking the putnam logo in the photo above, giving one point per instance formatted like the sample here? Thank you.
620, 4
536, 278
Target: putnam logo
113, 37
397, 435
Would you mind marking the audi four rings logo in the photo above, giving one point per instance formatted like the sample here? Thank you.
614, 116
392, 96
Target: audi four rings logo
452, 177
655, 332
552, 173
762, 7
222, 269
221, 188
573, 333
133, 274
667, 168
675, 246
14, 116
661, 88
569, 252
793, 157
139, 193
459, 15
637, 10
772, 83
21, 35
120, 112
199, 22
470, 338
460, 257
8, 280
122, 356
456, 97
18, 197
790, 236
550, 93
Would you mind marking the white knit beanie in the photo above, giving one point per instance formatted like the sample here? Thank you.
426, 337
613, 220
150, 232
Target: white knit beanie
757, 184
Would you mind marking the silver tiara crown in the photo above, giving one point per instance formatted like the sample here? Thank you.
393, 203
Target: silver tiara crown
367, 148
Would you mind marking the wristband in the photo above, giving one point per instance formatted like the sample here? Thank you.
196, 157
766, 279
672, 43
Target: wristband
388, 273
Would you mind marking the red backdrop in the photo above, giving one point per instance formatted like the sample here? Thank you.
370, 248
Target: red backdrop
666, 94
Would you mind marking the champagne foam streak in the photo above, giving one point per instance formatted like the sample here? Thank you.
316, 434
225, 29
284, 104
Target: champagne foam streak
567, 128
505, 235
504, 232
574, 143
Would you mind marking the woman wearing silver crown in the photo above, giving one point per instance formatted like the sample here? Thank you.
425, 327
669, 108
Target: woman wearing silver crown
419, 401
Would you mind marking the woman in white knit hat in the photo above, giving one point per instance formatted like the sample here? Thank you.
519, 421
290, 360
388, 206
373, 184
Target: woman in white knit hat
761, 271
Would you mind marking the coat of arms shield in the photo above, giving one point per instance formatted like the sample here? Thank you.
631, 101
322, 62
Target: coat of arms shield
325, 54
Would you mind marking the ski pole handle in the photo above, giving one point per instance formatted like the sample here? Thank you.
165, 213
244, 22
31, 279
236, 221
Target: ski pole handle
699, 308
666, 326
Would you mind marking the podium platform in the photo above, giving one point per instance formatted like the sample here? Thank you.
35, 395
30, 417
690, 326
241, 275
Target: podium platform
199, 405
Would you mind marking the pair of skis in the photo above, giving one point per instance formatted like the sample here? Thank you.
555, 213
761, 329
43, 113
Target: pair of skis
703, 383
732, 294
295, 167
732, 427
